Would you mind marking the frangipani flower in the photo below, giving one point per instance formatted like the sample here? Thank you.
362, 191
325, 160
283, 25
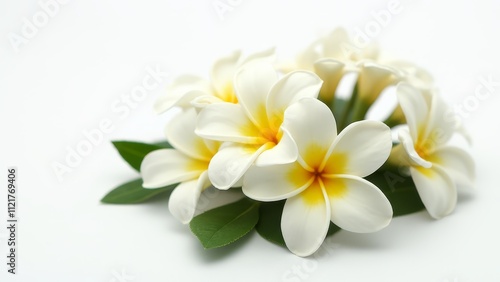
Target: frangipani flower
187, 164
188, 89
325, 183
435, 167
252, 127
339, 46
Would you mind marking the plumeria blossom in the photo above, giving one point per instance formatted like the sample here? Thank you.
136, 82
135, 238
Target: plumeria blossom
189, 90
187, 164
251, 129
435, 167
325, 183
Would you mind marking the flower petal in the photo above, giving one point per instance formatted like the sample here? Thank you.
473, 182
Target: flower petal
253, 83
284, 152
267, 56
331, 72
436, 189
357, 205
415, 108
168, 166
304, 225
231, 162
289, 89
360, 149
373, 79
227, 122
180, 134
312, 126
457, 163
276, 182
181, 92
223, 71
184, 199
333, 44
439, 127
414, 157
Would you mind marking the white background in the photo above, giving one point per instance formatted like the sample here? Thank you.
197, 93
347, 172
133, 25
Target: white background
67, 77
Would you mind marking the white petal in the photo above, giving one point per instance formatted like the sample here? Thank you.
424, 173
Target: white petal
406, 140
304, 225
184, 199
201, 102
289, 89
284, 152
457, 163
436, 189
331, 72
372, 80
360, 149
439, 127
415, 108
231, 162
226, 122
312, 126
357, 205
182, 90
252, 83
334, 44
276, 182
223, 71
267, 56
167, 166
180, 134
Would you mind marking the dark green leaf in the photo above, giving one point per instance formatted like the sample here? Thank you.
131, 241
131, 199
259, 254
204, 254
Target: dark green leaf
269, 225
134, 152
224, 225
399, 189
132, 192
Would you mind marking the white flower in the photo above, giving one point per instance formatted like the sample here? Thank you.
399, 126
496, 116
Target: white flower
187, 163
325, 183
339, 46
252, 127
188, 89
435, 167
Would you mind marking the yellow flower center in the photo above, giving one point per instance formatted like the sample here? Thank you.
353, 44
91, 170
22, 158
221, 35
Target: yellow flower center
320, 175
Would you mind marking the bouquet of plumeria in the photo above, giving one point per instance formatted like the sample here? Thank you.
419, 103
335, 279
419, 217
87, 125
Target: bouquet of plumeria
275, 148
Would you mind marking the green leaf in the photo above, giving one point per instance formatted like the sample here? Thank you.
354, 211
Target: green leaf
269, 225
400, 190
132, 192
224, 225
134, 152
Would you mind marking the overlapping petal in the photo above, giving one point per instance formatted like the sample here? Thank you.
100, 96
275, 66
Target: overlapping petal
276, 182
253, 83
312, 126
284, 152
231, 162
357, 205
360, 149
289, 89
414, 107
184, 199
180, 134
457, 163
436, 189
181, 92
167, 166
304, 226
227, 122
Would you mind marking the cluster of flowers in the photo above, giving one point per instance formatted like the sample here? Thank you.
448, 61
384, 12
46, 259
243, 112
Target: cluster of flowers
281, 133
